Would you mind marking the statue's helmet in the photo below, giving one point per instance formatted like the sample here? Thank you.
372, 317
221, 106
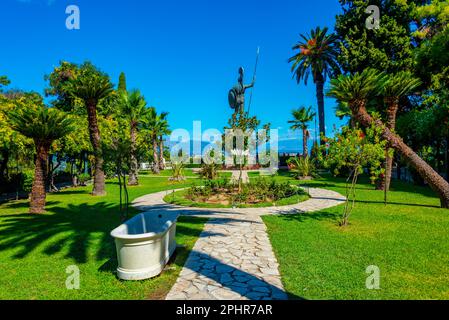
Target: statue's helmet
241, 71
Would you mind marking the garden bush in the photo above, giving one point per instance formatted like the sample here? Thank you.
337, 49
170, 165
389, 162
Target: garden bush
256, 191
302, 167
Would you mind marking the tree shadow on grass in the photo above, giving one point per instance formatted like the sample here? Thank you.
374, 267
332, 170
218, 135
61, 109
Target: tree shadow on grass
77, 231
398, 203
316, 215
72, 191
71, 229
24, 204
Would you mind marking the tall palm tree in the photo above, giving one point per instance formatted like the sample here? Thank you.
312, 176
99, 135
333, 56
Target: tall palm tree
164, 130
356, 90
133, 108
44, 126
317, 56
396, 87
301, 117
91, 86
151, 125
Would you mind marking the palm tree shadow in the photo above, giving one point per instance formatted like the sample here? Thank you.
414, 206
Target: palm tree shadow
304, 216
398, 203
69, 230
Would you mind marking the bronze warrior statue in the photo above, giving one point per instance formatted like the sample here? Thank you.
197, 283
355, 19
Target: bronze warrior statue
236, 95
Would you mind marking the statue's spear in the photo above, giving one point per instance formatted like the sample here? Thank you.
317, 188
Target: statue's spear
254, 78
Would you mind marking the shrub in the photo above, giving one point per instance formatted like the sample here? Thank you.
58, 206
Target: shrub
302, 167
355, 149
177, 172
83, 178
209, 171
27, 182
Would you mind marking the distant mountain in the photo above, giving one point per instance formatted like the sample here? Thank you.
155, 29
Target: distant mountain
285, 146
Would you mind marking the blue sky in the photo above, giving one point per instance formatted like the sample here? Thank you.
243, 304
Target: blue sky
183, 55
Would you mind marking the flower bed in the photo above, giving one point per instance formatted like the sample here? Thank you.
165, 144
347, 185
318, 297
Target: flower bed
261, 192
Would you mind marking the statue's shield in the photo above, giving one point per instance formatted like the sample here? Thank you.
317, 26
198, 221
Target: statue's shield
232, 98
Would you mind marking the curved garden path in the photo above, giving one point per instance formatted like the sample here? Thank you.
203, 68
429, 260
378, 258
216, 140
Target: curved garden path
233, 257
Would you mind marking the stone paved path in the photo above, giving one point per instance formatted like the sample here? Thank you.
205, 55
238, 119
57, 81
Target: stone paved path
233, 257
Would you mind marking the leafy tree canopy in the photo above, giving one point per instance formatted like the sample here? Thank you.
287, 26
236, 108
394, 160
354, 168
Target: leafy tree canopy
388, 48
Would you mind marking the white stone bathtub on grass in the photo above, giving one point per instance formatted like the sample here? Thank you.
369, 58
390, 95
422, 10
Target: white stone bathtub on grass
144, 244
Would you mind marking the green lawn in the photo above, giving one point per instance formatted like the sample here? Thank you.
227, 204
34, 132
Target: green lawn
408, 240
36, 249
188, 173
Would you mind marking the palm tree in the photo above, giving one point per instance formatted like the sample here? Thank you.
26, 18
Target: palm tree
44, 126
164, 130
317, 55
397, 86
152, 125
356, 90
301, 117
91, 86
133, 108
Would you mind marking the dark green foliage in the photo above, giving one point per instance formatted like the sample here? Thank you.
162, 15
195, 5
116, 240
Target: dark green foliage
40, 123
122, 83
4, 81
388, 48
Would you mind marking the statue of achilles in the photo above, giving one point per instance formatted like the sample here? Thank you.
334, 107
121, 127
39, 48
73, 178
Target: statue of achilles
236, 95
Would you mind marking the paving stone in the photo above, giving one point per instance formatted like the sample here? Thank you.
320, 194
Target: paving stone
225, 294
256, 295
270, 271
256, 283
238, 284
242, 279
261, 289
240, 290
223, 269
226, 278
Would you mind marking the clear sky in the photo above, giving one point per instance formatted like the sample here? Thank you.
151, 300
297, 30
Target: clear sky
183, 55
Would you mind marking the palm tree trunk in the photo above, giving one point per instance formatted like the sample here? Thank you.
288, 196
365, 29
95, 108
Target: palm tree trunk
435, 181
134, 166
155, 168
392, 109
447, 157
161, 154
94, 134
37, 199
319, 83
304, 143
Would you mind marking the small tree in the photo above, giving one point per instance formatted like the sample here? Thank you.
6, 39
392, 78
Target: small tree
133, 109
242, 121
356, 150
301, 117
